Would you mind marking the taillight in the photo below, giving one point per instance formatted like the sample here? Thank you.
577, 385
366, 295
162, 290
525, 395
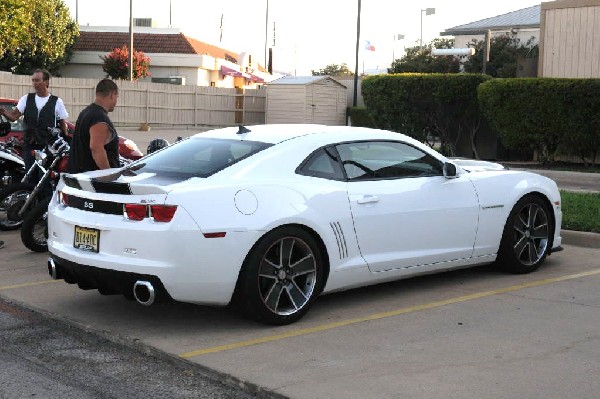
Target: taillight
162, 213
63, 198
158, 213
136, 211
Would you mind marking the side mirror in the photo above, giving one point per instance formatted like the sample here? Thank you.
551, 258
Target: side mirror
450, 171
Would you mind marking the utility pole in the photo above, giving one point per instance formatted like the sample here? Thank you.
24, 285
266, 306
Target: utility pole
221, 28
266, 31
486, 50
130, 40
355, 97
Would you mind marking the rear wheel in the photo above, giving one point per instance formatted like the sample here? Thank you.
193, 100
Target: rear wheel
527, 236
281, 277
12, 199
34, 232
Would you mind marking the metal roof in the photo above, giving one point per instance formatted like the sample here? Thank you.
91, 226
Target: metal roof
524, 18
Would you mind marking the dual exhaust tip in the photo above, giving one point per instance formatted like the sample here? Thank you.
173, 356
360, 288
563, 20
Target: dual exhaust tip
143, 291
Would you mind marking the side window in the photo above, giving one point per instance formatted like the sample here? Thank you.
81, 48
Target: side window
322, 163
386, 160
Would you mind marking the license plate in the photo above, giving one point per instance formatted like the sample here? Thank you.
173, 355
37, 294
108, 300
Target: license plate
86, 239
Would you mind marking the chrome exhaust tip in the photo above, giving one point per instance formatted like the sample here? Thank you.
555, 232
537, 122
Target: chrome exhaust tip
143, 292
53, 270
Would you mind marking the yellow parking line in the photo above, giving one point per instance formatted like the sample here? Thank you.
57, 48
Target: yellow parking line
11, 287
383, 315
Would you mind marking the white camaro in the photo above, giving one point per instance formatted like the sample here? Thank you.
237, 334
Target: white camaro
271, 216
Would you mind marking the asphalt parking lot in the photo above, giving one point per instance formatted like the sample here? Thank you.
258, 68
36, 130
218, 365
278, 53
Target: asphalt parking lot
465, 334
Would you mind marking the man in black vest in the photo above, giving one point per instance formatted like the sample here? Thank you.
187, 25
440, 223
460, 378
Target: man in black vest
95, 143
41, 111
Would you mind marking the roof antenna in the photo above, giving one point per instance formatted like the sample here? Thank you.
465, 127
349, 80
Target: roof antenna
243, 129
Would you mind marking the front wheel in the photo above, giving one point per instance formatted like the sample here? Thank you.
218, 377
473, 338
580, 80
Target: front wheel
12, 199
281, 277
527, 236
34, 232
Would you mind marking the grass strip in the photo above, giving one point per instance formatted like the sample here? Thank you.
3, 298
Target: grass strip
581, 211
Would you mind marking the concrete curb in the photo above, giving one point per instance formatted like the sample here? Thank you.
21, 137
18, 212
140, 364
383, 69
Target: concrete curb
581, 238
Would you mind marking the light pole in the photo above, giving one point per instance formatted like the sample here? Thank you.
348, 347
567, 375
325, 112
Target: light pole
427, 11
396, 37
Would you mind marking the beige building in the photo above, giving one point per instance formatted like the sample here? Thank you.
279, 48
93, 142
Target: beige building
174, 58
570, 40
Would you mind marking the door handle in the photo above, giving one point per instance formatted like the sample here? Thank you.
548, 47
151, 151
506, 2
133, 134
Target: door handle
366, 199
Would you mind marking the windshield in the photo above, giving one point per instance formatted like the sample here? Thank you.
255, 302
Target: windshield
196, 157
18, 125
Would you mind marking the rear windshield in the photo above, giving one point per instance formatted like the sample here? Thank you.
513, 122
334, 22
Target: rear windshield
196, 157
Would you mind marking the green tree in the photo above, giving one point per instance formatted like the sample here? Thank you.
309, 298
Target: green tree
35, 34
505, 50
333, 70
420, 60
116, 64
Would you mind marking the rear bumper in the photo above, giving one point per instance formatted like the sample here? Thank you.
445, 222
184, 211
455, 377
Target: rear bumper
189, 267
107, 282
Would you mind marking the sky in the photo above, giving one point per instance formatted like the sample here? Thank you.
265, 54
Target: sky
310, 34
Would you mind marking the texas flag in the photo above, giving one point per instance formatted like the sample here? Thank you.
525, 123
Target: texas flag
369, 46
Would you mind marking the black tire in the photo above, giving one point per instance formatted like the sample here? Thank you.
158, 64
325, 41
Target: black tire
527, 237
34, 232
12, 199
281, 277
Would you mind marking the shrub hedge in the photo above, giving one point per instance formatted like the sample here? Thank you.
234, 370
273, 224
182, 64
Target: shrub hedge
424, 106
552, 116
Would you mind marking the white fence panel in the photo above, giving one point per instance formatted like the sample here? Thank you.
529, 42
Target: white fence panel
157, 104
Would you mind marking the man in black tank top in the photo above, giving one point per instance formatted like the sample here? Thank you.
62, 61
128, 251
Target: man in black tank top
95, 144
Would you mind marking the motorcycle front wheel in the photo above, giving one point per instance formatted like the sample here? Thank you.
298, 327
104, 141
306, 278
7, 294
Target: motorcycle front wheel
34, 232
12, 199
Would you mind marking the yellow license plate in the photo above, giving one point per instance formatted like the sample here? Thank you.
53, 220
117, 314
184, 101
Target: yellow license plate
86, 239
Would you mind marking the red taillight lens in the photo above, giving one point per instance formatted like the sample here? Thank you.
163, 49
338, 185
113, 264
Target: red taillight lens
136, 211
163, 213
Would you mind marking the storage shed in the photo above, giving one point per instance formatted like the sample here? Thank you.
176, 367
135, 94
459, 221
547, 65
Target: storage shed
569, 45
306, 99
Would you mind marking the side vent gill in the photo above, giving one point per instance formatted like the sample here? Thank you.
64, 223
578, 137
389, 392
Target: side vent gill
340, 239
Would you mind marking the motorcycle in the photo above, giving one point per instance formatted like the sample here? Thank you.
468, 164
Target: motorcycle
12, 167
17, 198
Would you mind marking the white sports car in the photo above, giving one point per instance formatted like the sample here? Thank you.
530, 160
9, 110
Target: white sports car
269, 217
